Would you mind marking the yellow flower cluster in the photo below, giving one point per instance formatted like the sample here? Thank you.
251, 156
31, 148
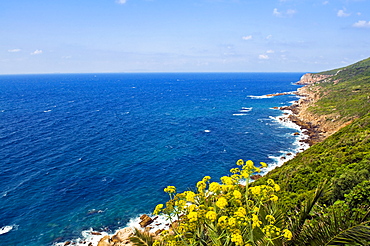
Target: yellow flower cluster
231, 211
221, 202
237, 239
170, 189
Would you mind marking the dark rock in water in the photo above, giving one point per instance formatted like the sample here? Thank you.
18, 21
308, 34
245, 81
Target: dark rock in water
145, 220
67, 243
95, 233
296, 133
282, 158
289, 154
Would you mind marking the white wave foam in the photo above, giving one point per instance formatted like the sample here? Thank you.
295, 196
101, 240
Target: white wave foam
159, 223
207, 130
260, 97
7, 228
89, 237
299, 144
239, 114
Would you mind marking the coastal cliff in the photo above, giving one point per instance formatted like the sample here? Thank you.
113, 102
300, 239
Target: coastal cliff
311, 78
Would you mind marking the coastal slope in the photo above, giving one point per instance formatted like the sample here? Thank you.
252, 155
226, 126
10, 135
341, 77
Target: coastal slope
337, 106
332, 99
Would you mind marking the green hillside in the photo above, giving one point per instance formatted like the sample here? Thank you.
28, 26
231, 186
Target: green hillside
344, 158
346, 94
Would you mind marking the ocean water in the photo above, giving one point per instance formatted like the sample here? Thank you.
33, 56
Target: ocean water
81, 151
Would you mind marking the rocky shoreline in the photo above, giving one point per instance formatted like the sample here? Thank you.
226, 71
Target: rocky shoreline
315, 127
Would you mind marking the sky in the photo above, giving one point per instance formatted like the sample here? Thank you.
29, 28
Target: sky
103, 36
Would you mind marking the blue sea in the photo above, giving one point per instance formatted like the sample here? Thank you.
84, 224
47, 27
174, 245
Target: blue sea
81, 151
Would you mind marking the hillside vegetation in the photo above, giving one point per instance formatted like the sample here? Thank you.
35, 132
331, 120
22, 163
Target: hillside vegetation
343, 159
346, 93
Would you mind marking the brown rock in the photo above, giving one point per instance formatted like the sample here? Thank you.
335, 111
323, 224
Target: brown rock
105, 241
95, 233
256, 176
67, 243
145, 220
123, 234
157, 232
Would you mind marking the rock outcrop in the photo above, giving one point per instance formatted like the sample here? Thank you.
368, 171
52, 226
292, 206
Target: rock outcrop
120, 238
310, 78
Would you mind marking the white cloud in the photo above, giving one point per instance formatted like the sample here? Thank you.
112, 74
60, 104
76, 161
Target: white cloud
247, 37
342, 13
269, 36
289, 13
276, 12
362, 24
263, 57
14, 50
325, 2
36, 52
121, 1
270, 52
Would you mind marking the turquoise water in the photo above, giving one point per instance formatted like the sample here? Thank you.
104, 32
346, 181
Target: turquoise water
80, 151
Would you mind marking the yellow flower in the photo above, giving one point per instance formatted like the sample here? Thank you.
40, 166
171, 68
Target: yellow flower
241, 212
276, 187
222, 221
240, 162
287, 234
249, 164
237, 194
270, 182
156, 243
180, 204
255, 221
270, 219
193, 216
226, 187
192, 207
264, 165
170, 189
232, 222
201, 185
211, 215
171, 243
273, 198
189, 196
237, 239
271, 230
256, 190
221, 202
206, 178
214, 187
227, 180
158, 209
234, 170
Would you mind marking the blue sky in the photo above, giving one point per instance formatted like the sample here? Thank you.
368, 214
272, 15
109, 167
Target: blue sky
85, 36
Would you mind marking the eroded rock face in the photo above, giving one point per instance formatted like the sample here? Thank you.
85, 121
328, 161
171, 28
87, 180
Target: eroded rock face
310, 78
